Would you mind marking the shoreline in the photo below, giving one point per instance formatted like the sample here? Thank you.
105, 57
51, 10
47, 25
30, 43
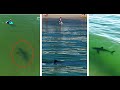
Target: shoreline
65, 16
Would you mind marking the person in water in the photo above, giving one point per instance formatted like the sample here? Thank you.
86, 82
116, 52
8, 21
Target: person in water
60, 21
9, 21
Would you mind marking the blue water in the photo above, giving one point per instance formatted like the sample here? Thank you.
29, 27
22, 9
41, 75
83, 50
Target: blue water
105, 25
67, 44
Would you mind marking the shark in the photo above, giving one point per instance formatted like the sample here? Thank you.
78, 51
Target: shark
98, 49
22, 53
55, 61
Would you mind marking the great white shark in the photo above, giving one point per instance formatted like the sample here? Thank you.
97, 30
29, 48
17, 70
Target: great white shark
98, 49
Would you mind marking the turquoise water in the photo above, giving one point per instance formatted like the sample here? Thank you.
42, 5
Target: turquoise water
105, 32
67, 44
106, 25
15, 37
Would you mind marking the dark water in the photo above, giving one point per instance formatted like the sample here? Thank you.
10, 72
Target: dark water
67, 44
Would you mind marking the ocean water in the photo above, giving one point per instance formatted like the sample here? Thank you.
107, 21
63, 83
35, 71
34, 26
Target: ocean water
104, 32
67, 44
24, 34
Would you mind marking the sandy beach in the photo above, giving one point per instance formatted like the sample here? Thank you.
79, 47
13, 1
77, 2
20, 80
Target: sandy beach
65, 16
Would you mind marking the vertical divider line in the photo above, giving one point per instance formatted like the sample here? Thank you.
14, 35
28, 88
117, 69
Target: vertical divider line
87, 44
40, 44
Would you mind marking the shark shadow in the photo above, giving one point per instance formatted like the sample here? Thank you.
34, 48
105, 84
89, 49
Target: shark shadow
101, 49
23, 54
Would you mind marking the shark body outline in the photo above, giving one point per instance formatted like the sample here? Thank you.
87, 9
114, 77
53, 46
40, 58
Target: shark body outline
98, 49
22, 53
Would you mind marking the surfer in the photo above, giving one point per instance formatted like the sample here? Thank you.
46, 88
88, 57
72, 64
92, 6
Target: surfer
98, 49
9, 21
60, 21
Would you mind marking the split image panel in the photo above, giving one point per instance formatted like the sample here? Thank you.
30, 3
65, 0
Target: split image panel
64, 45
19, 45
104, 41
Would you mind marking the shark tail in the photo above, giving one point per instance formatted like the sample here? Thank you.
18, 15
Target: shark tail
112, 52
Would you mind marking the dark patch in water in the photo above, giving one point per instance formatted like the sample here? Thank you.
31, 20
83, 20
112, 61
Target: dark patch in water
56, 61
98, 49
23, 54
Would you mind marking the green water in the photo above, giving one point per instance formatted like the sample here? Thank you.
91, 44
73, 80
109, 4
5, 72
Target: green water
104, 63
26, 28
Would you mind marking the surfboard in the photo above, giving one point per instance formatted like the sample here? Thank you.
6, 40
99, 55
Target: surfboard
11, 23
